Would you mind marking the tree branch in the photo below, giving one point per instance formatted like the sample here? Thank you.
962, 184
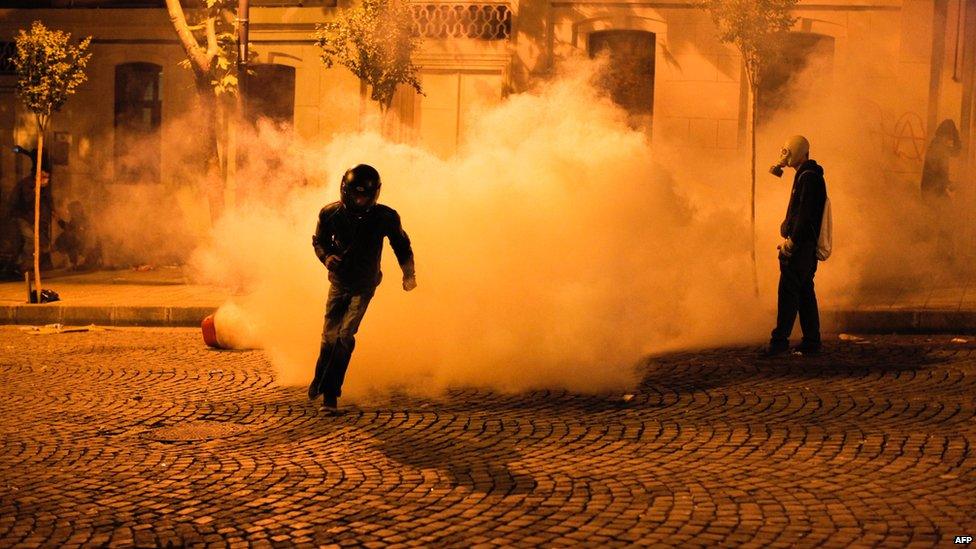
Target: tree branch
199, 59
212, 45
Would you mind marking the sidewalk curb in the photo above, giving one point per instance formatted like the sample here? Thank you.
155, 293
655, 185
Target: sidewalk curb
869, 321
105, 316
904, 321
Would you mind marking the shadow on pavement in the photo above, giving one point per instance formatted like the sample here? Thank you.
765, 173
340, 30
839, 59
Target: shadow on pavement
479, 461
691, 372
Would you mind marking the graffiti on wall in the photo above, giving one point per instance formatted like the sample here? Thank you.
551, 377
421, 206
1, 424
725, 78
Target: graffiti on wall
902, 138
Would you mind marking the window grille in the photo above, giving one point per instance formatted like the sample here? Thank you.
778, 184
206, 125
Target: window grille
8, 50
138, 116
481, 21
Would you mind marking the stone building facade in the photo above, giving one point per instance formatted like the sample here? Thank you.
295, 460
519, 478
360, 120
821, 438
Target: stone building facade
678, 82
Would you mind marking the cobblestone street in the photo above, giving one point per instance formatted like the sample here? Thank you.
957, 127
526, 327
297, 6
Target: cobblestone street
145, 437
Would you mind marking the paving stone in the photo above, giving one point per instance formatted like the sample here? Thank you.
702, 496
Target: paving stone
868, 444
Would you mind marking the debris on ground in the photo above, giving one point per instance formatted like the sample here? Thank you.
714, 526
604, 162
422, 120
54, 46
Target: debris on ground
958, 340
849, 337
47, 296
628, 397
59, 329
144, 268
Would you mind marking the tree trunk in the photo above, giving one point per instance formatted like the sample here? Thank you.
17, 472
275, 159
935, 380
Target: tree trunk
210, 161
201, 62
41, 124
232, 153
362, 104
200, 58
752, 194
388, 122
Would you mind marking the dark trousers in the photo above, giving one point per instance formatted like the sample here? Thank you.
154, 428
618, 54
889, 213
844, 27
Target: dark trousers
26, 258
344, 311
796, 295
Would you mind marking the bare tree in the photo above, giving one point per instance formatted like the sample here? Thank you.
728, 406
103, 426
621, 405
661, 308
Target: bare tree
49, 69
756, 28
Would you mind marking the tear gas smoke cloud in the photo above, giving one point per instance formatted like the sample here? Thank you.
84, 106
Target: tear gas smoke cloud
136, 218
552, 252
557, 247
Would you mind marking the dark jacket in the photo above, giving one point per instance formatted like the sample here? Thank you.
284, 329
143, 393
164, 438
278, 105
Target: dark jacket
805, 212
935, 172
23, 201
358, 241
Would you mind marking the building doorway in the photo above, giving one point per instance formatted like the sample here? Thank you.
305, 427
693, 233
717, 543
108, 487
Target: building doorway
443, 115
807, 62
271, 94
629, 78
138, 116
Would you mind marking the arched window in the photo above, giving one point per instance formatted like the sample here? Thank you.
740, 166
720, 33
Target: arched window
138, 113
271, 93
630, 75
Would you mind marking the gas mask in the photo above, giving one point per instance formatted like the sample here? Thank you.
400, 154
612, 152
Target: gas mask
777, 168
793, 152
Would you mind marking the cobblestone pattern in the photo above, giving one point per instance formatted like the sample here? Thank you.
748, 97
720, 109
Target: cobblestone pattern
145, 437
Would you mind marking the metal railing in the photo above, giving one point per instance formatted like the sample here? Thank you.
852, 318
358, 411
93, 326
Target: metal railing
475, 20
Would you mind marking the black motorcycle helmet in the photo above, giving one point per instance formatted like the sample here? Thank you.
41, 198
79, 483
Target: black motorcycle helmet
360, 188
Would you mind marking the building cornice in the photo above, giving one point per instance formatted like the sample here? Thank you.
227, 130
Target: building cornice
821, 5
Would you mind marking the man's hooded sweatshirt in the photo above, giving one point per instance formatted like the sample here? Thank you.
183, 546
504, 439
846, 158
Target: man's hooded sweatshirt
805, 212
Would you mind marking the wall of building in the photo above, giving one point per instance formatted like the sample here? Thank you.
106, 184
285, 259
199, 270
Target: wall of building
953, 93
459, 74
700, 104
700, 98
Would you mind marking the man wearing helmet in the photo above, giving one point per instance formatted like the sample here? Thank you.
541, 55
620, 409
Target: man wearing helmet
798, 253
348, 240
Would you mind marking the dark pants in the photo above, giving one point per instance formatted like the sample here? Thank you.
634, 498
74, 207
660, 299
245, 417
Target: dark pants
26, 258
796, 295
344, 311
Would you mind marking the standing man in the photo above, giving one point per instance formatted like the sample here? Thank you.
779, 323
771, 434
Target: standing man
798, 253
23, 212
349, 242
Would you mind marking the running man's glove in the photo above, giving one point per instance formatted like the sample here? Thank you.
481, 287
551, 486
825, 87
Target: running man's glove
786, 248
409, 282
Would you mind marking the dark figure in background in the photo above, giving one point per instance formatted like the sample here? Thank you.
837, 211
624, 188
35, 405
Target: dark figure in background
798, 253
76, 240
23, 213
349, 242
937, 188
935, 173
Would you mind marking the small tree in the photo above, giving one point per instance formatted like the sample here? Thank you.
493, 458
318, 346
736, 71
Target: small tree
49, 69
375, 42
756, 28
